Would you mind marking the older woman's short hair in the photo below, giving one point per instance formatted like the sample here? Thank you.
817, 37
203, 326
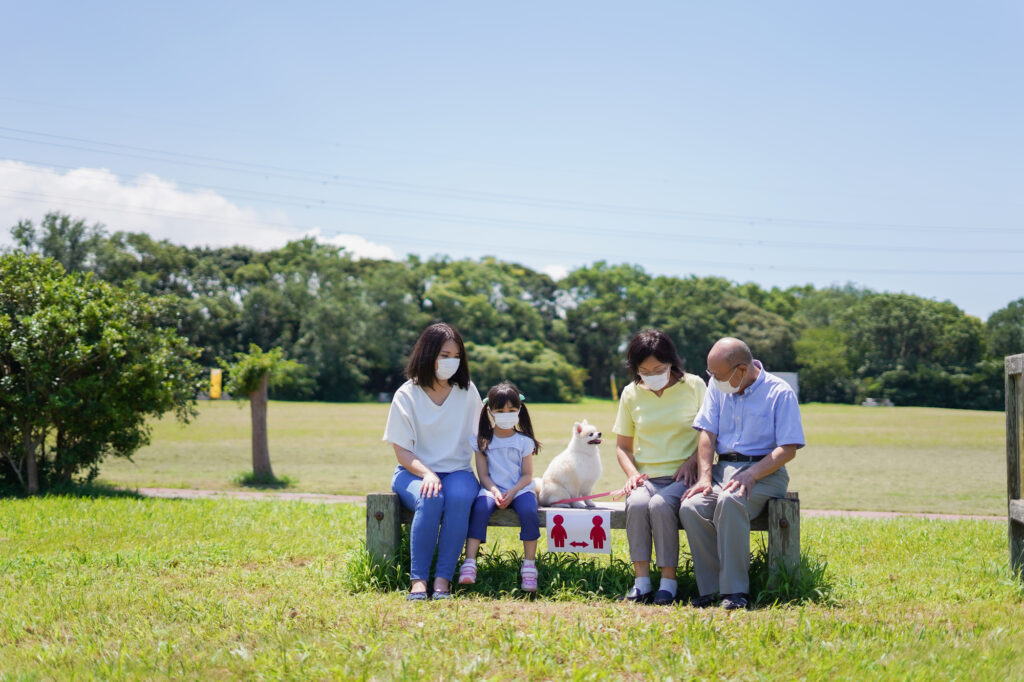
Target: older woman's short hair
657, 343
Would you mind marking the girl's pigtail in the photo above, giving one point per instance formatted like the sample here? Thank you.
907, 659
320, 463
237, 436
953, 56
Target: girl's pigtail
485, 432
526, 427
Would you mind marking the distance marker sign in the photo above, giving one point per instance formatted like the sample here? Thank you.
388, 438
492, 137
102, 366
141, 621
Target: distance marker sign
580, 530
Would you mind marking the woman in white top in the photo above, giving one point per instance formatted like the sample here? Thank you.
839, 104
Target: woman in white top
432, 421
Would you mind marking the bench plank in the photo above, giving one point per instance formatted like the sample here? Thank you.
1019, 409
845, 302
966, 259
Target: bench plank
781, 519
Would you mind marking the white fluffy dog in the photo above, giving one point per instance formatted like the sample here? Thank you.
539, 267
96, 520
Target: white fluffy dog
574, 472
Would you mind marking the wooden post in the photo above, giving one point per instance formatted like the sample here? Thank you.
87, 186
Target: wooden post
783, 536
1014, 443
383, 527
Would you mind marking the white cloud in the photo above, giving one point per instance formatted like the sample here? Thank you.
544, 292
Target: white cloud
152, 205
556, 272
360, 247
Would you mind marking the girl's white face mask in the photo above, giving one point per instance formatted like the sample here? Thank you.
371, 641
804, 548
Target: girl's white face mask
447, 367
656, 382
505, 420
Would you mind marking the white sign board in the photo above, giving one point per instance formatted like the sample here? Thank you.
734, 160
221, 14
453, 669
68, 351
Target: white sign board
580, 530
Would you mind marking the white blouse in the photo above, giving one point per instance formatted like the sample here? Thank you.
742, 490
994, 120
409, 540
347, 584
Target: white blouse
439, 435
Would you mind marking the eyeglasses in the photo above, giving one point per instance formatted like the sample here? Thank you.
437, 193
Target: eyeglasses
731, 372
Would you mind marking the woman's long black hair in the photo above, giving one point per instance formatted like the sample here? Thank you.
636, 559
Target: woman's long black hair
500, 396
421, 367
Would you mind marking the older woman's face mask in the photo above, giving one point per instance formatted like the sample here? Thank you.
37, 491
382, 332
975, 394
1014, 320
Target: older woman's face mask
656, 382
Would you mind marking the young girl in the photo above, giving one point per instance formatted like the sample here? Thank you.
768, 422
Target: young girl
504, 464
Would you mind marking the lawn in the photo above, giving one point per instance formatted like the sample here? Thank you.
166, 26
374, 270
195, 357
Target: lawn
155, 589
890, 459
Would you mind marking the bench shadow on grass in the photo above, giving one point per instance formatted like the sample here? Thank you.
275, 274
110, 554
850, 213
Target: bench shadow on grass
574, 577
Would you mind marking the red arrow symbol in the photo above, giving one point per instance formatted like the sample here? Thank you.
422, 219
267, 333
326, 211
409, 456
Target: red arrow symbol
578, 544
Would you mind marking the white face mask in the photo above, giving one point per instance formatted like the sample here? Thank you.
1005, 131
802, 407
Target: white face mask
505, 420
447, 367
656, 382
724, 386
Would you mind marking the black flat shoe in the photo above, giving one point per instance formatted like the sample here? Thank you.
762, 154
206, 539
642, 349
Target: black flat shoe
416, 596
731, 602
441, 595
638, 597
702, 602
664, 598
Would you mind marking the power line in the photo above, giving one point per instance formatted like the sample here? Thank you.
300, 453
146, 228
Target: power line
331, 179
41, 198
543, 226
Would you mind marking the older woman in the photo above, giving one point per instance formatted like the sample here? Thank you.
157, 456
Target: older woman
431, 424
655, 448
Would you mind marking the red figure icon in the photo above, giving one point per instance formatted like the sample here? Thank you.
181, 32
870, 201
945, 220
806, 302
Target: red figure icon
597, 534
558, 533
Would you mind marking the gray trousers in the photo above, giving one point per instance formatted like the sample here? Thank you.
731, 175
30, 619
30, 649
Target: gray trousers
718, 528
652, 510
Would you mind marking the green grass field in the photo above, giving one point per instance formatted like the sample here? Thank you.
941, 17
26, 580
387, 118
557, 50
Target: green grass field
122, 588
888, 459
117, 587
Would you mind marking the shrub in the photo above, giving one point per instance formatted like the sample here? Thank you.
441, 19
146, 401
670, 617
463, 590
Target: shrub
83, 366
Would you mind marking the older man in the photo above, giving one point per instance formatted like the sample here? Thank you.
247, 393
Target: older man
752, 420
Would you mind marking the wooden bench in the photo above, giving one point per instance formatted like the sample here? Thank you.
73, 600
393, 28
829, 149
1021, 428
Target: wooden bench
385, 516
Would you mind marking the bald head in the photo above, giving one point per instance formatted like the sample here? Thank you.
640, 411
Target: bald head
730, 351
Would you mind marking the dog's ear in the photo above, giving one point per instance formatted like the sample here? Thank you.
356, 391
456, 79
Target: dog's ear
579, 428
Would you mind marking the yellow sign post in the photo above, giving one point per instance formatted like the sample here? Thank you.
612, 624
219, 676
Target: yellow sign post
215, 379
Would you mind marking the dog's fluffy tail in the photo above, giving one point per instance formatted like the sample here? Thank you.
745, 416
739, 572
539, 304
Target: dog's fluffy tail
538, 487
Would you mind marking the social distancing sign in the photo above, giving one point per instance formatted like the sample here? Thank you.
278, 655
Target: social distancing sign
580, 530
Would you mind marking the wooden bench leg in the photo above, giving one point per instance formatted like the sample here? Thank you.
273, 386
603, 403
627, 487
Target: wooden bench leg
383, 527
783, 537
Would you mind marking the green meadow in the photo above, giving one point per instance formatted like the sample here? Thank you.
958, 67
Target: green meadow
116, 586
124, 588
906, 459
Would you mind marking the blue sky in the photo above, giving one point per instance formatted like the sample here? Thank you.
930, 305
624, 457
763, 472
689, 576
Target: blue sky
782, 143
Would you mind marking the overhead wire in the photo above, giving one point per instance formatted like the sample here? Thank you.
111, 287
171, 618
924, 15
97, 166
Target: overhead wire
301, 231
328, 179
537, 225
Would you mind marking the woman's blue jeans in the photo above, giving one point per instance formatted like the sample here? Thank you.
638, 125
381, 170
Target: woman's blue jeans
438, 522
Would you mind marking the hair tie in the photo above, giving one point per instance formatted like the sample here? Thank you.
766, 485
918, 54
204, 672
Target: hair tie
485, 401
522, 398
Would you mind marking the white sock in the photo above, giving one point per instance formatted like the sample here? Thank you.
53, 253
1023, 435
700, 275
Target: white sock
471, 562
668, 586
528, 562
643, 584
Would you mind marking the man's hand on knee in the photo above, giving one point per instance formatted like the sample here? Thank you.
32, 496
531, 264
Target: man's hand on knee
701, 487
742, 483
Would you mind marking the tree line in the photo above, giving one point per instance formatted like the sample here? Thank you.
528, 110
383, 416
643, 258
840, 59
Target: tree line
352, 321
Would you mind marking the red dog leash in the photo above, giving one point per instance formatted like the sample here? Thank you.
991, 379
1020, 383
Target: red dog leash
616, 494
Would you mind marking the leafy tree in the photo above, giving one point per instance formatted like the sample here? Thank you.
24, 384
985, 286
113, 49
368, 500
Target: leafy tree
1005, 330
66, 240
251, 375
823, 359
603, 306
83, 366
542, 374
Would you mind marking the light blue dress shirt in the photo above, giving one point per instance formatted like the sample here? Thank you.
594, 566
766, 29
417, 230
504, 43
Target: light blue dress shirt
766, 416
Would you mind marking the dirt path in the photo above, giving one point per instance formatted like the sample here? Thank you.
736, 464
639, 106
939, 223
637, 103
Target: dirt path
323, 498
192, 494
